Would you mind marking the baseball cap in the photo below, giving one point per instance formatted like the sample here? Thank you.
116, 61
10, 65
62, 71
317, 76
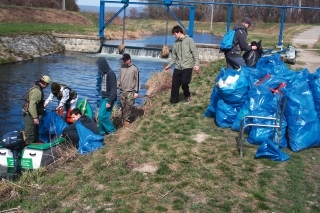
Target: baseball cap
125, 57
247, 20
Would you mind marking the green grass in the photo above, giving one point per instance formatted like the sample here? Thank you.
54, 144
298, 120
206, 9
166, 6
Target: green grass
191, 176
36, 28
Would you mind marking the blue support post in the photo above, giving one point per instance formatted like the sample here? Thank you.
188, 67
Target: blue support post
283, 15
191, 21
101, 20
230, 7
176, 18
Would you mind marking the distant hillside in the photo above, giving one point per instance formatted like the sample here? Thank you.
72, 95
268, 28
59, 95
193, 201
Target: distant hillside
96, 9
41, 15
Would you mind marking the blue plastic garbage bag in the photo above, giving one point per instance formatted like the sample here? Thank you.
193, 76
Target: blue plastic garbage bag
264, 104
302, 119
314, 84
253, 75
272, 65
211, 109
225, 114
51, 126
271, 150
214, 98
89, 141
232, 86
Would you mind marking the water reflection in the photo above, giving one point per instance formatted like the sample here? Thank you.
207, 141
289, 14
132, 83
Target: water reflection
76, 70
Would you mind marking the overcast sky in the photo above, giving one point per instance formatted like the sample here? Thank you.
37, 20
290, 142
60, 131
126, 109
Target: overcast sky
97, 3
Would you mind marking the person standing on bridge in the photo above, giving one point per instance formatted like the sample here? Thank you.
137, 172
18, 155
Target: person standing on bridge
129, 86
185, 56
233, 57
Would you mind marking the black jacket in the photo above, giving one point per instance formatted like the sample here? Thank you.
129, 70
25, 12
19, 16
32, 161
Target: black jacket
109, 80
70, 132
240, 41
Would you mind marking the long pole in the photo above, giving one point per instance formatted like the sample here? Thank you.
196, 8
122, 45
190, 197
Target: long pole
211, 19
63, 4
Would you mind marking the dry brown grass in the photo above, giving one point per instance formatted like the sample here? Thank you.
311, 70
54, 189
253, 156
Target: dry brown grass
39, 15
158, 83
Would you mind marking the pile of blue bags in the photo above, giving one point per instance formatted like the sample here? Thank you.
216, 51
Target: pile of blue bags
256, 91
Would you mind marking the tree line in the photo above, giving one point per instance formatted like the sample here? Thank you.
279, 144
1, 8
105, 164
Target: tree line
219, 13
204, 10
54, 4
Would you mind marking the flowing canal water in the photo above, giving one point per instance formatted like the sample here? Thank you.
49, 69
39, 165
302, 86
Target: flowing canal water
77, 70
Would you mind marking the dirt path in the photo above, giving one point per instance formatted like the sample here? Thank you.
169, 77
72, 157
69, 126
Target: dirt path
307, 57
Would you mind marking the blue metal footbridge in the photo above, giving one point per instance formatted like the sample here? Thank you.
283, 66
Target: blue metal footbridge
191, 5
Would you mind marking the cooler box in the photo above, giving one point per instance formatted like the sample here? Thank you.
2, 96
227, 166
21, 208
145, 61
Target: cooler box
33, 156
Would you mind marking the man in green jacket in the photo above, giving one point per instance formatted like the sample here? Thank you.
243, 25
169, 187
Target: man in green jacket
33, 109
185, 56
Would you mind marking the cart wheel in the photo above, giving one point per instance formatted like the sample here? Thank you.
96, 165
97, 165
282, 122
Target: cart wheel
294, 59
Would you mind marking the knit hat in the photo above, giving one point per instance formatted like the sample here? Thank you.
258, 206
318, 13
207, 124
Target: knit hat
247, 20
55, 87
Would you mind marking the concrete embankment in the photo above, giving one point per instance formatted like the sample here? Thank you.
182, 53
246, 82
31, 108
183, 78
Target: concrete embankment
25, 47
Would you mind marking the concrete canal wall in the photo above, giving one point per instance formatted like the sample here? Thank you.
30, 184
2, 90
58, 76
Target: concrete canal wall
91, 44
25, 47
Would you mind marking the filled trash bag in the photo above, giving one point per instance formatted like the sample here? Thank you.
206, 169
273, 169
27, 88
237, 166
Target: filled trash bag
264, 103
51, 126
302, 119
232, 86
314, 85
272, 65
214, 98
272, 151
225, 114
253, 75
252, 57
89, 141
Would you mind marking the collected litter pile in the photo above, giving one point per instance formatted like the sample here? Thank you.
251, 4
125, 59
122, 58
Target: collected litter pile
257, 92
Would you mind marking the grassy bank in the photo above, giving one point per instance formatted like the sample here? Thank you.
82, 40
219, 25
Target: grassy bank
173, 159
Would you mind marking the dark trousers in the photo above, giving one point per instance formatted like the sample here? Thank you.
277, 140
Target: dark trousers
180, 78
235, 62
31, 130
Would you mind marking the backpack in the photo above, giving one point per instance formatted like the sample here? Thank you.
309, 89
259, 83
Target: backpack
226, 43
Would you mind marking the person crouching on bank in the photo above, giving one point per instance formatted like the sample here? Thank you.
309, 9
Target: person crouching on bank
66, 96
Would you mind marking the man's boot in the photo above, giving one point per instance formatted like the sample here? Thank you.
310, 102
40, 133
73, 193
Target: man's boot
126, 124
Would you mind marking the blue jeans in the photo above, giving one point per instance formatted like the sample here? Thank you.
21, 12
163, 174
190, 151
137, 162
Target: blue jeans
105, 124
235, 62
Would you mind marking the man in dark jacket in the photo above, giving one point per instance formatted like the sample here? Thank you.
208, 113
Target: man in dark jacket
70, 132
233, 57
108, 95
